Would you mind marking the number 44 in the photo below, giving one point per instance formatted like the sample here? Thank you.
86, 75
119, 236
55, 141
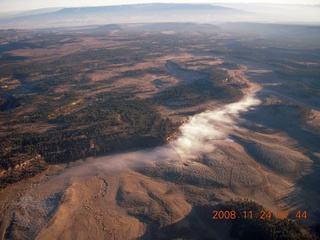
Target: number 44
301, 214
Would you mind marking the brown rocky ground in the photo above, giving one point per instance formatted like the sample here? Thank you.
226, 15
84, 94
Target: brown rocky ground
123, 197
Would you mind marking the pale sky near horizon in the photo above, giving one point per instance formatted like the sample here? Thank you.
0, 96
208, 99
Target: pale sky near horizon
23, 5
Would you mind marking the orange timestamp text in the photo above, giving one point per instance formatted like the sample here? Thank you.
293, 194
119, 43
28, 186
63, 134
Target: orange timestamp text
263, 214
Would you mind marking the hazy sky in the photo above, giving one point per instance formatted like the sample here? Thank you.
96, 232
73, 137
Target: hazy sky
21, 5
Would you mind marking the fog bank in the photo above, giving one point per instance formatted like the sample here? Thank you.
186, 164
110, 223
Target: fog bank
197, 136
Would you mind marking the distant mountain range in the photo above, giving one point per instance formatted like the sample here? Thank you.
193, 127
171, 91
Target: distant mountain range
137, 13
151, 13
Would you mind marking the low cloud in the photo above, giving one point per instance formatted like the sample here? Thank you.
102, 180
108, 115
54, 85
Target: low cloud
197, 136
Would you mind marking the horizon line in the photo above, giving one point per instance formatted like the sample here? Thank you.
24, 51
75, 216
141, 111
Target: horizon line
194, 3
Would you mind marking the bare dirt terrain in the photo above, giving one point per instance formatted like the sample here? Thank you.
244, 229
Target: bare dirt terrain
89, 200
145, 145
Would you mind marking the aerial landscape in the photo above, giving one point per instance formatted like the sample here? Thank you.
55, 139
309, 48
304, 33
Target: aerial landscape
160, 121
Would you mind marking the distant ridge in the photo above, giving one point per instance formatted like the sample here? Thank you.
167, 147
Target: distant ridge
160, 13
140, 8
147, 7
134, 13
38, 12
